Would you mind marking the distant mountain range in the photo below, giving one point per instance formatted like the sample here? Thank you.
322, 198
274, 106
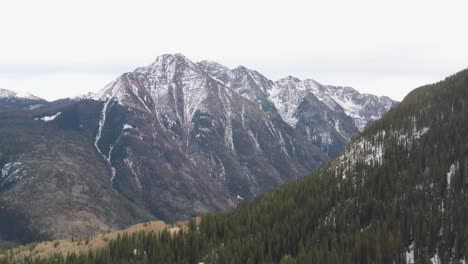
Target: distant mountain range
171, 140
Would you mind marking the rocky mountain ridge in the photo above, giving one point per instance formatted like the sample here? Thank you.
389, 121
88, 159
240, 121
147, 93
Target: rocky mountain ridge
329, 116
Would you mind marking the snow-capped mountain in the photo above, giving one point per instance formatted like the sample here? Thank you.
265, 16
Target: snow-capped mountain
363, 108
7, 94
225, 123
318, 118
219, 133
328, 116
170, 140
10, 100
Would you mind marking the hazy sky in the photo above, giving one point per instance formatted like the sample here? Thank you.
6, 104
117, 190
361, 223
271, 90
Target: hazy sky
65, 48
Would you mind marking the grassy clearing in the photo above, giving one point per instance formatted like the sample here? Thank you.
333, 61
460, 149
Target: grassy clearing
83, 245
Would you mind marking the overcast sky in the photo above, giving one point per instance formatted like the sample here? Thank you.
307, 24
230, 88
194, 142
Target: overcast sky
60, 48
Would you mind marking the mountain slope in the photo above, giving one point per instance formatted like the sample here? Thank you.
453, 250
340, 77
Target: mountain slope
52, 176
397, 194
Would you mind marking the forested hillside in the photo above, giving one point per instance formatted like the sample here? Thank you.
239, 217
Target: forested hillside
397, 194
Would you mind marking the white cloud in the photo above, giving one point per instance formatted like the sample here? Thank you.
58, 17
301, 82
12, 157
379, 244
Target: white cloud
373, 45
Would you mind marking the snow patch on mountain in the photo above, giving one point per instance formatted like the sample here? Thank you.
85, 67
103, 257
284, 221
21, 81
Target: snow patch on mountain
410, 254
369, 151
102, 122
436, 259
49, 118
286, 103
254, 139
12, 172
134, 168
407, 138
127, 126
451, 173
9, 168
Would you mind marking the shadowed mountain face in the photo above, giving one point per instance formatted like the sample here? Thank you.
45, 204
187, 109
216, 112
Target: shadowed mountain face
169, 141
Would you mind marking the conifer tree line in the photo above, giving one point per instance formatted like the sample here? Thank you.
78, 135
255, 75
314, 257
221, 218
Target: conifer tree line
399, 190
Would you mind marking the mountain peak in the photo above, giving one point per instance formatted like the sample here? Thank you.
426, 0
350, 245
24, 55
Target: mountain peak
177, 58
241, 68
289, 78
211, 66
172, 56
4, 93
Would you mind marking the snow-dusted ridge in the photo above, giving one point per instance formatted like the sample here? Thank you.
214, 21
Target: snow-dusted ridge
173, 88
363, 108
285, 93
8, 94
